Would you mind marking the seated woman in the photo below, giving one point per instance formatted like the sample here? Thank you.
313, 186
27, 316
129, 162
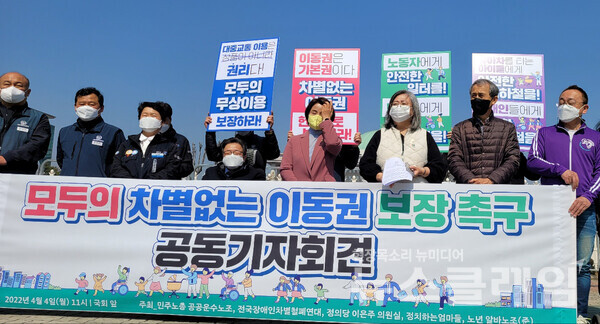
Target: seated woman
234, 165
148, 155
311, 155
403, 137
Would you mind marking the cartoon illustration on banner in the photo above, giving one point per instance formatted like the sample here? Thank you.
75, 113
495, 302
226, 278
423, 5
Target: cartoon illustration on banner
428, 76
521, 100
350, 252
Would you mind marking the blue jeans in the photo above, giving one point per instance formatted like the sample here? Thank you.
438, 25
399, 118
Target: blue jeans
390, 297
355, 295
586, 234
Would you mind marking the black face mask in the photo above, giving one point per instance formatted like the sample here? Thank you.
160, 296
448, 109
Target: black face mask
480, 106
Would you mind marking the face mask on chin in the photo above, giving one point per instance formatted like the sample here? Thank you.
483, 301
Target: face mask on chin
164, 128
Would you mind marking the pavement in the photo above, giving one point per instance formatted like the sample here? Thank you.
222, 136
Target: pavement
41, 316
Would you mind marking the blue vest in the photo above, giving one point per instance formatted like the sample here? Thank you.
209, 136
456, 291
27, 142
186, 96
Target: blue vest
20, 130
88, 153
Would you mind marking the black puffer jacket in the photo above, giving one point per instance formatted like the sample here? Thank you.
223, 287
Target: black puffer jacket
484, 150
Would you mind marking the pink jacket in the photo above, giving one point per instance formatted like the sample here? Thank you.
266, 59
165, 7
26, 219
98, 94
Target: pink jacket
81, 283
205, 277
295, 165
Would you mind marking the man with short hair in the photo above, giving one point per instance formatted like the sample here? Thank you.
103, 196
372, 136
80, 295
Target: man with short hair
265, 148
484, 149
87, 147
187, 162
569, 153
234, 165
24, 132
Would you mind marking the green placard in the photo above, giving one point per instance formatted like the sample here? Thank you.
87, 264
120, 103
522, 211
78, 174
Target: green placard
427, 75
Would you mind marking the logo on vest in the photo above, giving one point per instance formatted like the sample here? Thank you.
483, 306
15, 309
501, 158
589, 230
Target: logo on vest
23, 127
586, 144
98, 141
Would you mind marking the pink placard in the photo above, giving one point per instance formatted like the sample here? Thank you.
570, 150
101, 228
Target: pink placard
333, 74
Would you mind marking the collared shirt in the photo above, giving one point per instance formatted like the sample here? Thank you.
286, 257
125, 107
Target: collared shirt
481, 123
145, 141
388, 288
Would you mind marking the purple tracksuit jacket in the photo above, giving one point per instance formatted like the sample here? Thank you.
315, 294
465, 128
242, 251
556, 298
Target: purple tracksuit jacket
553, 152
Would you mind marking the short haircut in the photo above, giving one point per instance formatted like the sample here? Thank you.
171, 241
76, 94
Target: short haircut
167, 108
389, 276
583, 93
26, 78
88, 91
154, 105
315, 101
493, 88
415, 123
233, 140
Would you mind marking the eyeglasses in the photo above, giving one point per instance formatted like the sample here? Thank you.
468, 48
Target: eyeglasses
240, 153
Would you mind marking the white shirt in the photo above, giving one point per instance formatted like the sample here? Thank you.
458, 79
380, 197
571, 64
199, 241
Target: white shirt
145, 141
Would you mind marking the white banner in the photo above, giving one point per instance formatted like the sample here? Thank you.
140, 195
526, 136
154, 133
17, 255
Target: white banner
289, 250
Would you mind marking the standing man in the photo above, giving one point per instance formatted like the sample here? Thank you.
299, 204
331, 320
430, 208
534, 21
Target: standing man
484, 149
388, 289
149, 154
24, 131
183, 145
87, 148
569, 153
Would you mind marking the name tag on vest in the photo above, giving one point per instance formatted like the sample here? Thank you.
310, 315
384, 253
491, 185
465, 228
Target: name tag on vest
97, 143
23, 129
158, 155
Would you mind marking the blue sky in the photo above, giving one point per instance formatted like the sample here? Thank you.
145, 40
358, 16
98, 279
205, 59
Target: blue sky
136, 51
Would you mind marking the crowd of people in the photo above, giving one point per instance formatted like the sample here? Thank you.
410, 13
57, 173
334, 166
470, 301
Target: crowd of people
483, 149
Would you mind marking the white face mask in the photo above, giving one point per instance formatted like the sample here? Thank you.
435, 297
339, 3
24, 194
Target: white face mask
400, 113
567, 113
149, 124
12, 95
86, 113
164, 128
233, 161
